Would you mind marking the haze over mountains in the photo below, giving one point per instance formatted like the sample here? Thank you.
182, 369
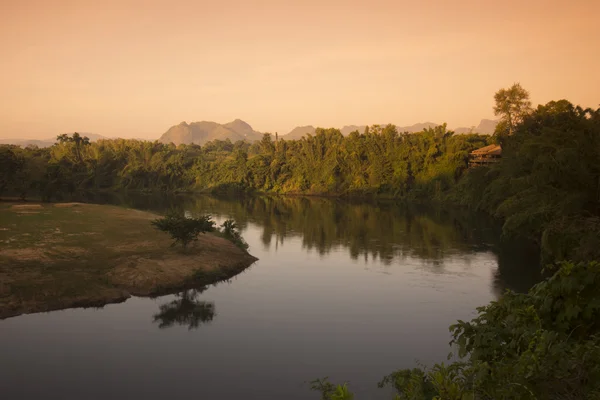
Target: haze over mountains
204, 131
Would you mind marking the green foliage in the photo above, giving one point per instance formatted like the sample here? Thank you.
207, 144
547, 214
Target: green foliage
184, 230
381, 162
10, 165
330, 391
230, 231
410, 384
543, 344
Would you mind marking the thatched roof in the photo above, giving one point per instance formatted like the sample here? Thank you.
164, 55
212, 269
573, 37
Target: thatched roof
491, 150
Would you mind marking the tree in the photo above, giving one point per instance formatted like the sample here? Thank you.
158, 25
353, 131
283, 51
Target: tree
78, 142
330, 391
184, 230
9, 166
512, 105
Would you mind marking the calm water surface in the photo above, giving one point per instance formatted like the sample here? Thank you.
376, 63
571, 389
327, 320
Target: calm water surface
347, 290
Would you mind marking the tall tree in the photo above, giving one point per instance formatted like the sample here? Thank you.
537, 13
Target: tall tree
512, 105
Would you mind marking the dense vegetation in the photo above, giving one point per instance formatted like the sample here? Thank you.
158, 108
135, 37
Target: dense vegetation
547, 185
379, 161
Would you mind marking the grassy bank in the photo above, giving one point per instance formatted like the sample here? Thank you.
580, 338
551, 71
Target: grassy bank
55, 256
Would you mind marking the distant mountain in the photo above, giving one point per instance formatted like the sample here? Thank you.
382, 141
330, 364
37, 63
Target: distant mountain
485, 127
346, 130
299, 131
28, 142
205, 131
417, 127
463, 130
46, 142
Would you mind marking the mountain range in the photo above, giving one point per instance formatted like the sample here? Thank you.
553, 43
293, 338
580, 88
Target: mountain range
205, 131
486, 127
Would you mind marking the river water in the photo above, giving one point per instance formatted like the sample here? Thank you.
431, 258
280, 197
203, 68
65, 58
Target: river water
348, 290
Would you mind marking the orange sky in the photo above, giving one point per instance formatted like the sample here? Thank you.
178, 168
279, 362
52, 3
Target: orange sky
134, 68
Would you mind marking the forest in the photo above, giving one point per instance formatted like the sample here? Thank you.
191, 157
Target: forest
379, 161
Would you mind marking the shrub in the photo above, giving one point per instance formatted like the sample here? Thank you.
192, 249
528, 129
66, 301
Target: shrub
230, 232
184, 230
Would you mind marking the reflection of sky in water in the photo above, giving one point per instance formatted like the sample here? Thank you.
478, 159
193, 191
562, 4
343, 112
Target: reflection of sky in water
297, 314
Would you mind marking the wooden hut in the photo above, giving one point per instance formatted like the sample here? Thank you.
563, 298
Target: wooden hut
485, 155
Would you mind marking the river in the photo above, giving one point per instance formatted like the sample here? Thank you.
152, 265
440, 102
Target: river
348, 290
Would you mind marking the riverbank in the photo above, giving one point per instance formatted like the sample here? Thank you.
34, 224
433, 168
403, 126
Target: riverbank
56, 256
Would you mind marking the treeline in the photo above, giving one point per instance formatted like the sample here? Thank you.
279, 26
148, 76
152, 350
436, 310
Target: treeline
380, 161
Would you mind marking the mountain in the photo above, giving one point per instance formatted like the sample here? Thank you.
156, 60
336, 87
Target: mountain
463, 130
46, 142
205, 131
28, 142
417, 127
485, 127
346, 130
299, 131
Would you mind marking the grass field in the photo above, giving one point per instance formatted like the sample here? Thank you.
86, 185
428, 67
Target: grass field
55, 256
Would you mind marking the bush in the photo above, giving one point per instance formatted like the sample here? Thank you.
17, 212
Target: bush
184, 230
230, 232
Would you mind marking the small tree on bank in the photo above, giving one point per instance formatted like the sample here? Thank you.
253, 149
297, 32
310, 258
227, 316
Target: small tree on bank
230, 232
184, 230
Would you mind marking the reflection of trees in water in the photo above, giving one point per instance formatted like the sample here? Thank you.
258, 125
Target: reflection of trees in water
185, 310
517, 267
371, 230
382, 230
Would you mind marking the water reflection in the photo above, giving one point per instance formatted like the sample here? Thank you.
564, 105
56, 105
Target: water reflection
185, 310
375, 230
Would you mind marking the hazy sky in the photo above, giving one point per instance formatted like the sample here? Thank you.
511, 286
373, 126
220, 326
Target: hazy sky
134, 68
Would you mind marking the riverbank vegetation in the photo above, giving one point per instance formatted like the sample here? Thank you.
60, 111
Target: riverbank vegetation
544, 344
57, 256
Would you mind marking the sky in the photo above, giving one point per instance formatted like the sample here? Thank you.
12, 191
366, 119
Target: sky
134, 68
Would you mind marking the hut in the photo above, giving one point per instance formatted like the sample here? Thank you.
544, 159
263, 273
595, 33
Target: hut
485, 156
